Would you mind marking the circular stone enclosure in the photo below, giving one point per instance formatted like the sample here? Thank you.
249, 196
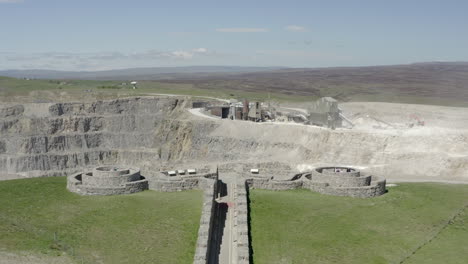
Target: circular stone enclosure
345, 171
340, 177
107, 180
345, 181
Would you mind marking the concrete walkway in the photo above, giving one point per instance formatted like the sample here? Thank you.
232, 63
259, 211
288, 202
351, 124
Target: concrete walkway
228, 245
224, 242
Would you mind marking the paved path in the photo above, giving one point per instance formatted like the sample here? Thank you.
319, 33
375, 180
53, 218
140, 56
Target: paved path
227, 250
224, 242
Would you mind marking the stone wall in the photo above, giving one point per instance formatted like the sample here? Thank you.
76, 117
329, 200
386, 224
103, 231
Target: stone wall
345, 171
204, 231
210, 187
245, 166
242, 223
270, 184
162, 182
107, 181
351, 183
75, 185
334, 180
99, 178
376, 188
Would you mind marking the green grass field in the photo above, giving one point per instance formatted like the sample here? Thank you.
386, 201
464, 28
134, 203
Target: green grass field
70, 90
65, 90
412, 223
40, 216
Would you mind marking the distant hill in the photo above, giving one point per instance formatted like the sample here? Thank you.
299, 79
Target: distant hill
155, 73
442, 83
429, 83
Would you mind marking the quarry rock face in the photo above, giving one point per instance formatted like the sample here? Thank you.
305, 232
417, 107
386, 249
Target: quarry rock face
12, 111
157, 133
77, 135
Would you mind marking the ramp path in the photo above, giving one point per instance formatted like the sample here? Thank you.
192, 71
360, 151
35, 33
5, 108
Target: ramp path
223, 249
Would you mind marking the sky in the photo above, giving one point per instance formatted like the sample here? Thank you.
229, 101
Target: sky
85, 35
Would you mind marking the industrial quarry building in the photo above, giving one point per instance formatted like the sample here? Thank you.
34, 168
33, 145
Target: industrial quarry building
324, 112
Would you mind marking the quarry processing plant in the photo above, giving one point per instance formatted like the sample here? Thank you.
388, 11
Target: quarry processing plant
325, 112
235, 110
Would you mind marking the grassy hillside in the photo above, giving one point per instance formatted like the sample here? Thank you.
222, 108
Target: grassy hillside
41, 216
430, 83
412, 223
425, 83
65, 90
152, 73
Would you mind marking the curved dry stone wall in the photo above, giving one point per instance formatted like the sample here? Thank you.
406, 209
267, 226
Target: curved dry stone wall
339, 181
344, 181
108, 180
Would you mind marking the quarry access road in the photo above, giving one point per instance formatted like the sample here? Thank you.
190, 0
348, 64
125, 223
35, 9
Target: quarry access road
203, 97
197, 112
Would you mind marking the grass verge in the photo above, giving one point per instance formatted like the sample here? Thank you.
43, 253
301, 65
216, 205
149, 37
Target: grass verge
41, 216
305, 227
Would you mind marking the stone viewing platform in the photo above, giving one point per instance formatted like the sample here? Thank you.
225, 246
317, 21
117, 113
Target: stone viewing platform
339, 181
223, 235
107, 180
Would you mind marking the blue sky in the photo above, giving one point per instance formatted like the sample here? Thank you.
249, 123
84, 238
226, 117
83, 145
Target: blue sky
100, 35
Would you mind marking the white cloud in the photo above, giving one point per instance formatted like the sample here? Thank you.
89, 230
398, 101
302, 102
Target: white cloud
294, 55
242, 30
200, 50
10, 1
295, 28
99, 60
180, 54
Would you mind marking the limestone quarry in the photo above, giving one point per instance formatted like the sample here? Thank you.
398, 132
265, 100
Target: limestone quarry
161, 143
160, 134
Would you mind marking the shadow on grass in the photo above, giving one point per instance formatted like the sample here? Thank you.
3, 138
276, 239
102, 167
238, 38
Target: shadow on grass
249, 220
